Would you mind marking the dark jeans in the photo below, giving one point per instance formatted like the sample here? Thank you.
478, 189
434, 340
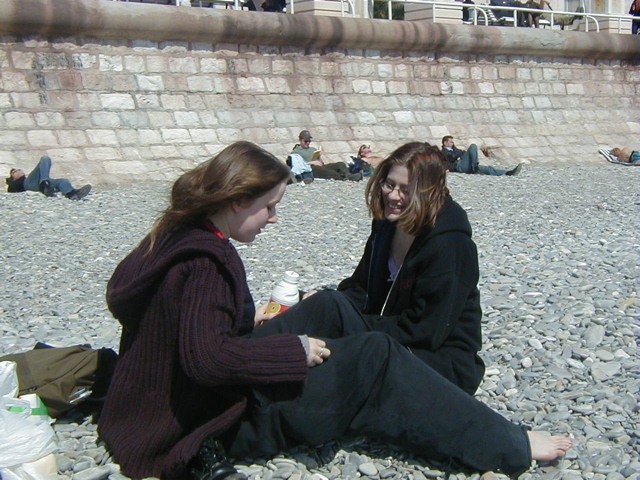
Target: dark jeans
331, 171
41, 173
373, 386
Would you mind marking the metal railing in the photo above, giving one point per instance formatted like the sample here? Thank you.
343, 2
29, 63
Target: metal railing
480, 14
485, 14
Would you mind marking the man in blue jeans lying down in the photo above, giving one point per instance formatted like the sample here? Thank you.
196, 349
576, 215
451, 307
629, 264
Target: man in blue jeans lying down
40, 181
466, 161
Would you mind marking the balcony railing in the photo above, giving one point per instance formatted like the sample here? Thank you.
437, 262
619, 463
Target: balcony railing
479, 14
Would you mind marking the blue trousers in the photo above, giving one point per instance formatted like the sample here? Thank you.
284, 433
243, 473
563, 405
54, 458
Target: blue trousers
469, 163
372, 386
41, 173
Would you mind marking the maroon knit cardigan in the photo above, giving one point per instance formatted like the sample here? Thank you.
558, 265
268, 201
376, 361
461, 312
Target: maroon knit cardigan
184, 373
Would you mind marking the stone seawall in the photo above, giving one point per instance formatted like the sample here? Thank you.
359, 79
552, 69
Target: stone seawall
115, 92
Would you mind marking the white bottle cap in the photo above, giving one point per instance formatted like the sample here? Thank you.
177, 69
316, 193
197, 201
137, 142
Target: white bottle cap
290, 276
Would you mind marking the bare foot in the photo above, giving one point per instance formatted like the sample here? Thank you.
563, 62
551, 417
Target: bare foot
546, 447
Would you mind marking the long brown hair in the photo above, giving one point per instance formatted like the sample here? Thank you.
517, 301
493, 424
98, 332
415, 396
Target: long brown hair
427, 189
241, 172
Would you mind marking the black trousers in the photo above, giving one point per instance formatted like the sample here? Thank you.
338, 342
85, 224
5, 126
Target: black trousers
373, 386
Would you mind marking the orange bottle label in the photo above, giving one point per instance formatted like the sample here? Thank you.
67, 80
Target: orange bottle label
276, 308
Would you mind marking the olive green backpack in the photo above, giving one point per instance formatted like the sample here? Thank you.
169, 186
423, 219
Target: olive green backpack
64, 377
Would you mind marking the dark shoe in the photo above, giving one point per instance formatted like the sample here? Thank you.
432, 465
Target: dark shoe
79, 194
515, 171
356, 177
46, 189
212, 464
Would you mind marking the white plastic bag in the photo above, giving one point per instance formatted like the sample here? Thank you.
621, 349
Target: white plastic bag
22, 440
8, 379
45, 468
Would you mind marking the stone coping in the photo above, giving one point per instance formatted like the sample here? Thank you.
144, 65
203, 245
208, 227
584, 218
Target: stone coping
108, 19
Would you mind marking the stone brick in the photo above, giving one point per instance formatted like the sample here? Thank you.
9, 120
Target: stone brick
182, 65
128, 137
277, 85
134, 63
110, 63
105, 119
117, 101
187, 119
102, 153
83, 61
203, 135
15, 82
75, 138
149, 136
132, 167
51, 61
213, 65
282, 67
223, 85
259, 66
329, 69
161, 119
5, 100
532, 88
123, 83
96, 81
366, 69
50, 119
19, 120
68, 81
397, 87
238, 66
173, 102
157, 64
402, 70
65, 156
147, 101
385, 70
42, 138
250, 85
175, 135
235, 118
404, 117
102, 137
486, 88
149, 82
230, 135
366, 117
542, 102
200, 83
321, 86
23, 60
451, 88
13, 138
362, 86
459, 72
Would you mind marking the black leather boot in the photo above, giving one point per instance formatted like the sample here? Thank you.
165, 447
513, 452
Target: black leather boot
212, 463
46, 189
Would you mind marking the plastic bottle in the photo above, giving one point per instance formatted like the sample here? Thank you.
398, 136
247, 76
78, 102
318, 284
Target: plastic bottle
285, 294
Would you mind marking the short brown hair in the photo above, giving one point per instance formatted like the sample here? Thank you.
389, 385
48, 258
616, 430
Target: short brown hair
445, 138
427, 186
241, 172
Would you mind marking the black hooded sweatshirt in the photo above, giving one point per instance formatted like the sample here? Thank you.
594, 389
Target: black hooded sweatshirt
433, 307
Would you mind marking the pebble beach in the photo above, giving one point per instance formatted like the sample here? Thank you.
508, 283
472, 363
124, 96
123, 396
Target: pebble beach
558, 250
